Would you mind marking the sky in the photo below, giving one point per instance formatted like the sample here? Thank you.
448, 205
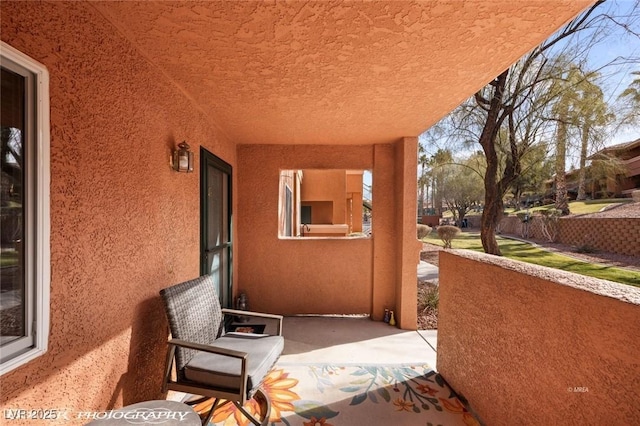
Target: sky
623, 47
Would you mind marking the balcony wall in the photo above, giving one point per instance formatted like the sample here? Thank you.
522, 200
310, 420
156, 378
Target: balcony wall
123, 224
530, 345
328, 275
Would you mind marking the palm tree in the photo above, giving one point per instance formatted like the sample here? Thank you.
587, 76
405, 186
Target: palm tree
564, 112
632, 95
437, 162
592, 111
423, 179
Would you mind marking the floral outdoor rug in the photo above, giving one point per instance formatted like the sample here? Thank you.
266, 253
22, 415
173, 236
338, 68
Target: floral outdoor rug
345, 395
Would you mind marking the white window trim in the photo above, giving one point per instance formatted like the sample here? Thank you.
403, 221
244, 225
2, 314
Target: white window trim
42, 220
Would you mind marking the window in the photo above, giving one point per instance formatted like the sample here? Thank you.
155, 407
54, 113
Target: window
24, 206
325, 203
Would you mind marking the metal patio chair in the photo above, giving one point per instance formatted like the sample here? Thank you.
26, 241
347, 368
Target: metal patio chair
207, 361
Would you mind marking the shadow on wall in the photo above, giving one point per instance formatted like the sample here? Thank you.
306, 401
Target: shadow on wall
143, 379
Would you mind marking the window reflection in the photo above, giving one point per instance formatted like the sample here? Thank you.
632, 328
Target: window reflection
12, 203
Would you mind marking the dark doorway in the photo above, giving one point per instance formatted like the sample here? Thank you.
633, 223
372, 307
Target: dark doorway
215, 223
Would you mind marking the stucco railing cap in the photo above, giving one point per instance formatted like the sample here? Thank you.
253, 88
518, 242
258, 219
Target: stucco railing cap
622, 292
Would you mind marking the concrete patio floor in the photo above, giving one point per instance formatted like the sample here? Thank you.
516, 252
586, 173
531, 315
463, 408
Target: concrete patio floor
352, 340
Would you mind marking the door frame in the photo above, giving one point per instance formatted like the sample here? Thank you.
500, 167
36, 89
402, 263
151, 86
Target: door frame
207, 158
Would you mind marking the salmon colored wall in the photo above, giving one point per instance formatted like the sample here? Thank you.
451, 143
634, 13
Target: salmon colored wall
123, 224
354, 193
407, 245
528, 345
321, 275
354, 182
325, 185
321, 211
383, 194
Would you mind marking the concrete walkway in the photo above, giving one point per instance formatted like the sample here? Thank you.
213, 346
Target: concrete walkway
427, 271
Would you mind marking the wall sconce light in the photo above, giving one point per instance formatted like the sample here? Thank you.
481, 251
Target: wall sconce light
183, 158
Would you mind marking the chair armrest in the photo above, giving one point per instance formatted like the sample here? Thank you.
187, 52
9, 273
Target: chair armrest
242, 356
240, 313
208, 348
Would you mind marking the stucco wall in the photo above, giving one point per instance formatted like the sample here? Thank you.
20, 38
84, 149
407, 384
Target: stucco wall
529, 345
320, 275
407, 245
383, 194
329, 188
123, 225
328, 276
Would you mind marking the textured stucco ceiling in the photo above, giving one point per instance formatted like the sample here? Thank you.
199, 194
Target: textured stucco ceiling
333, 71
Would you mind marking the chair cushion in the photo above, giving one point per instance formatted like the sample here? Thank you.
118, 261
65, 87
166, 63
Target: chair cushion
224, 372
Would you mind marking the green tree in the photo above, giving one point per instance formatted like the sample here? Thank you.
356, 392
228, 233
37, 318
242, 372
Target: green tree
565, 94
509, 94
631, 97
463, 187
593, 113
579, 105
537, 168
439, 171
423, 179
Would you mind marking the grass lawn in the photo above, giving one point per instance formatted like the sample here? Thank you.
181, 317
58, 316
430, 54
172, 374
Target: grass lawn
528, 253
580, 207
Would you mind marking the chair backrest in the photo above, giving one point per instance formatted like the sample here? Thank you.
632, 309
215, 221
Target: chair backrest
194, 314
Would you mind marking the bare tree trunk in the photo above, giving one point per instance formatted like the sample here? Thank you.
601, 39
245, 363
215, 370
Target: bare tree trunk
562, 203
583, 162
438, 194
517, 193
426, 195
493, 191
436, 210
491, 216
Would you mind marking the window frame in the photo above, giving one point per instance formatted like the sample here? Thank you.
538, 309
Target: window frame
37, 240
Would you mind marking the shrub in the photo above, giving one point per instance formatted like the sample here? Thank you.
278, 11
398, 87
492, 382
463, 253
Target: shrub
423, 231
586, 249
587, 245
549, 223
429, 297
447, 233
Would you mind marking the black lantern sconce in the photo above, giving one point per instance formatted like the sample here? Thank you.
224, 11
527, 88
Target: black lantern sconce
183, 158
